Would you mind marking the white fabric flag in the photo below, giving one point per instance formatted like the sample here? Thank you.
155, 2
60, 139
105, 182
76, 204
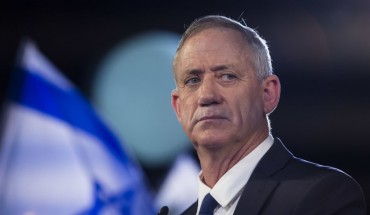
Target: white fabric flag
57, 156
180, 188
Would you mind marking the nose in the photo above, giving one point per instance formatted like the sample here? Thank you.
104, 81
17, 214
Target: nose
208, 92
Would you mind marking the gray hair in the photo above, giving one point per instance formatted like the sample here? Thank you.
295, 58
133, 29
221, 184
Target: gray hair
262, 63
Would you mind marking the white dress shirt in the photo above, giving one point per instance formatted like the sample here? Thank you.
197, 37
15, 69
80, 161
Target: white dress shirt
228, 189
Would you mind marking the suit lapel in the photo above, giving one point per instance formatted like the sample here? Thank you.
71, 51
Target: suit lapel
192, 210
261, 184
254, 196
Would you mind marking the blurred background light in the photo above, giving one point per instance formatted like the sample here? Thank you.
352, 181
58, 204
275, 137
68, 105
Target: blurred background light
132, 90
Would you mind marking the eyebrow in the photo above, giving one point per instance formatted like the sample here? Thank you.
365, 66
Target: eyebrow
194, 72
221, 67
216, 68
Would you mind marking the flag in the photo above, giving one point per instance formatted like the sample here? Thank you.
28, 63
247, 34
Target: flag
184, 171
57, 156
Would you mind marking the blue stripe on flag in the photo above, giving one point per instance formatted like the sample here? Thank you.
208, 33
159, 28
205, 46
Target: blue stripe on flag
64, 105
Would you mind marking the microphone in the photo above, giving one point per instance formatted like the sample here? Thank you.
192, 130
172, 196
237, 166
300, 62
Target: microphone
163, 211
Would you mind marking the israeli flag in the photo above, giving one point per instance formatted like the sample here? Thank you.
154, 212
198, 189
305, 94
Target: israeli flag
57, 156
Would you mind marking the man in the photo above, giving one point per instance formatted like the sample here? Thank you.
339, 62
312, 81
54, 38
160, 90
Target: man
225, 90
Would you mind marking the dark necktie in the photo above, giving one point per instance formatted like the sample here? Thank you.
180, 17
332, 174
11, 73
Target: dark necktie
208, 205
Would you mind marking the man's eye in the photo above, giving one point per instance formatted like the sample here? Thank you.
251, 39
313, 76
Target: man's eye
192, 81
228, 77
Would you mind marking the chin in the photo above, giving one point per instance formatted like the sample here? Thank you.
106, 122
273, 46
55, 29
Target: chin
212, 141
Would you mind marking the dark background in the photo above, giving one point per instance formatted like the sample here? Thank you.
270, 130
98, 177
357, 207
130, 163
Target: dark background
320, 51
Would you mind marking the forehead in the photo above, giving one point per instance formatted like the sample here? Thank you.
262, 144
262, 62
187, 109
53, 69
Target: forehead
213, 44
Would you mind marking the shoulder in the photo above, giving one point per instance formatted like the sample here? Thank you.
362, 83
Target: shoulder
319, 188
279, 162
327, 189
305, 173
303, 169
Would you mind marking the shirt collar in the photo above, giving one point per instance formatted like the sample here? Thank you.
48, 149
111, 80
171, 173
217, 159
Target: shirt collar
234, 180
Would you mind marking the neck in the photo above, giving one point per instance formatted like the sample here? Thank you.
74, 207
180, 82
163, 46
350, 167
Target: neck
216, 162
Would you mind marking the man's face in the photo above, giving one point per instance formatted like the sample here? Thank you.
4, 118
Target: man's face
219, 99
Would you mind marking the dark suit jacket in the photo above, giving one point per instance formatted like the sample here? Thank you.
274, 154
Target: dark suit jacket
283, 184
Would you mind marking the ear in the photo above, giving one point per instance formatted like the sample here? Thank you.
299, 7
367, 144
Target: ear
271, 93
175, 101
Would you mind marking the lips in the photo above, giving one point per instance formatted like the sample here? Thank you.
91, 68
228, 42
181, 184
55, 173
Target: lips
210, 118
209, 115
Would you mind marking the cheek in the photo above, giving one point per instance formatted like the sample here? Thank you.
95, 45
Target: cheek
256, 110
189, 109
184, 109
250, 108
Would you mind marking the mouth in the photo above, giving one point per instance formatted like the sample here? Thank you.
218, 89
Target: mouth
211, 118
